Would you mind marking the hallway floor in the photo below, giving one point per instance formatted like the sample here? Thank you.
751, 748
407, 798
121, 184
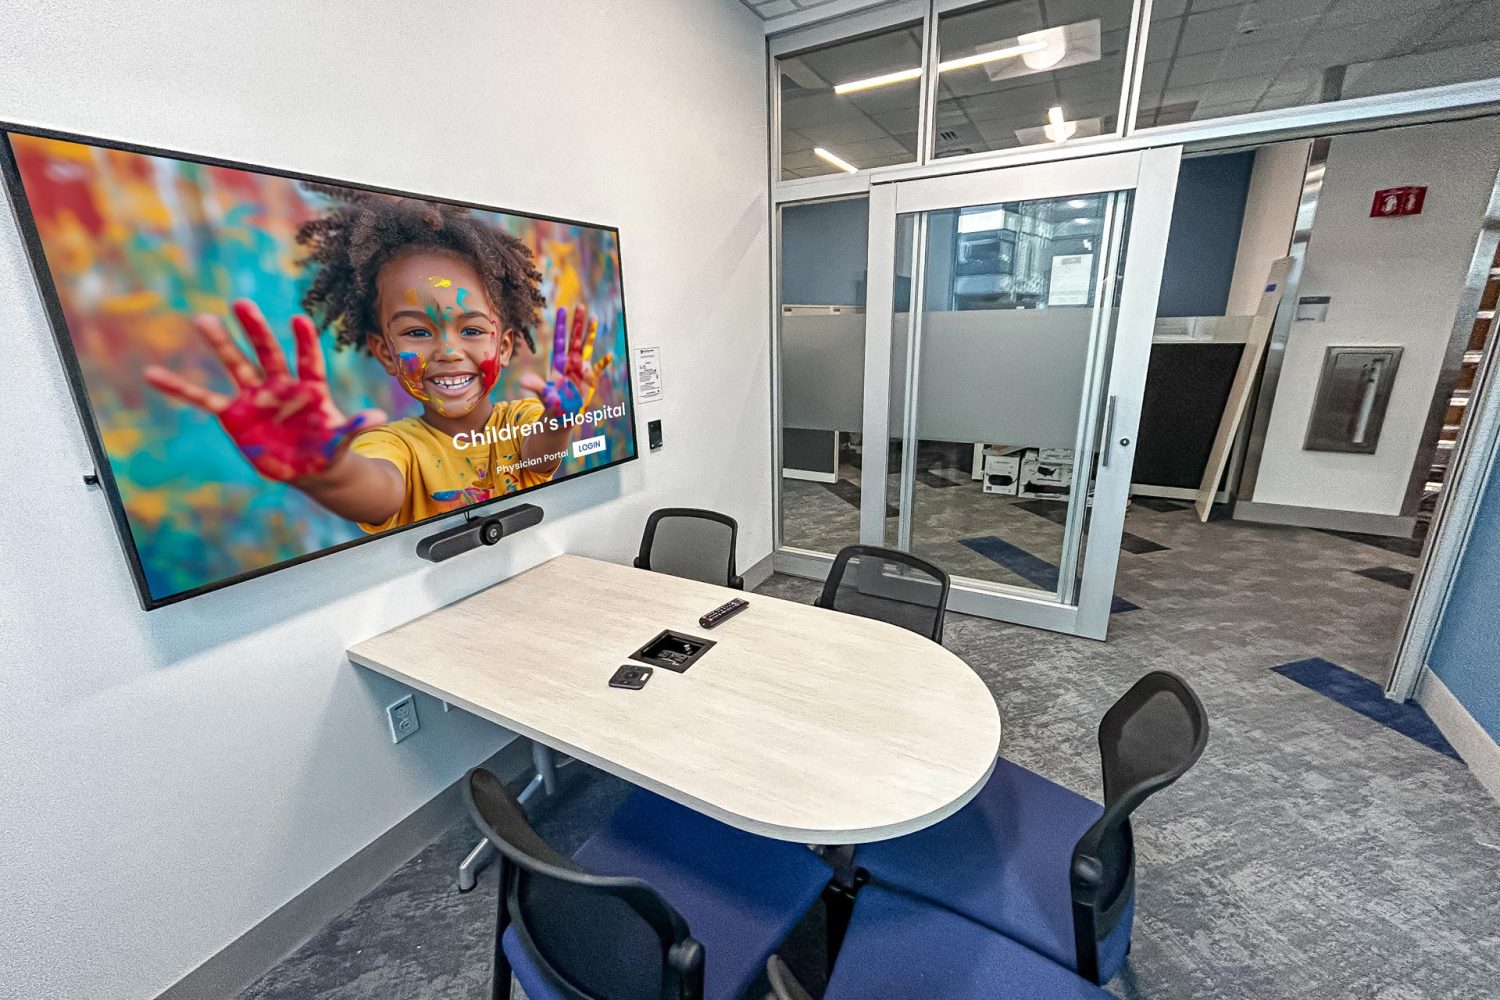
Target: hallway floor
1314, 852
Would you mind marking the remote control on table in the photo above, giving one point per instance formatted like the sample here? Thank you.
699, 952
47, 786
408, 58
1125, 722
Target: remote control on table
724, 611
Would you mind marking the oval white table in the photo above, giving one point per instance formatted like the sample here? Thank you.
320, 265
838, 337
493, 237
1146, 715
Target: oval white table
800, 723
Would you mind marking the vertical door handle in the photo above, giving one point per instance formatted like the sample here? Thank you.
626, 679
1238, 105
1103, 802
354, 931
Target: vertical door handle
1109, 432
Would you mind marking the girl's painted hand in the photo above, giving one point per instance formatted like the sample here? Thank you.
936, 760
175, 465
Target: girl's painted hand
287, 426
573, 375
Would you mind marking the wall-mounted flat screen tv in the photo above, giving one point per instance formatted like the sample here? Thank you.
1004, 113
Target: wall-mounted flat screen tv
271, 366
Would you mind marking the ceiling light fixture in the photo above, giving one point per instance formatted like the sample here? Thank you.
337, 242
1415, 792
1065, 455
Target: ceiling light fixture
900, 76
1078, 203
994, 55
837, 161
1046, 48
1058, 128
1037, 47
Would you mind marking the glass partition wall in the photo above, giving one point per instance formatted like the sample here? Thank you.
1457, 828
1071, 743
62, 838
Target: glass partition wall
821, 320
996, 376
943, 320
915, 82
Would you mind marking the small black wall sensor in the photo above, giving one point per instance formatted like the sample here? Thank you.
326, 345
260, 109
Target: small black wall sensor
653, 434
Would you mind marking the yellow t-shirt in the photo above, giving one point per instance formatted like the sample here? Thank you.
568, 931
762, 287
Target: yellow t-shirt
442, 477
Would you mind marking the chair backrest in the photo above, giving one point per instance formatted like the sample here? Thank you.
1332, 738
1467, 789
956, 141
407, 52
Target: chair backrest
890, 585
1147, 740
590, 937
692, 543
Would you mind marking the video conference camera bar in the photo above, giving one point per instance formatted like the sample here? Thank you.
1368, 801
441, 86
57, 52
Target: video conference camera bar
477, 531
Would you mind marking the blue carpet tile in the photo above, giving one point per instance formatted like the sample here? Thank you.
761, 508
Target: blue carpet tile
1033, 569
1388, 574
1364, 696
1057, 513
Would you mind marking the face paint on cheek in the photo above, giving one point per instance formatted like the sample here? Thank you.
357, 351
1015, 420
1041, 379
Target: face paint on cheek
489, 372
411, 371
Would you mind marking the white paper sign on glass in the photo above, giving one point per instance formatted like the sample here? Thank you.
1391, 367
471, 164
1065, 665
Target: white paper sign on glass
1070, 280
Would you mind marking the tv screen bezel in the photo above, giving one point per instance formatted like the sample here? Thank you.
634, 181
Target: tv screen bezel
103, 472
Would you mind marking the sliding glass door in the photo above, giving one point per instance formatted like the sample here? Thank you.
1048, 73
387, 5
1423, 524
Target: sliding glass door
1007, 329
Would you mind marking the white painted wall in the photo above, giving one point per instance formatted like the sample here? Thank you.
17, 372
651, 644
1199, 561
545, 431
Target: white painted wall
1391, 282
169, 779
1270, 215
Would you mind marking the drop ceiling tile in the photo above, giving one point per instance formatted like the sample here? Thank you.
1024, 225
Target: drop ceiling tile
817, 109
897, 121
793, 141
1353, 43
880, 100
1236, 90
876, 152
1481, 22
1343, 12
843, 132
1193, 71
1261, 57
1210, 31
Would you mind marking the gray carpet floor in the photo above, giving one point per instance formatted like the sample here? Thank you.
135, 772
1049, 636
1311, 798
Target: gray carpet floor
1312, 853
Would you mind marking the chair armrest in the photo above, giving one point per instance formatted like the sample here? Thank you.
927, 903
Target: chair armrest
784, 985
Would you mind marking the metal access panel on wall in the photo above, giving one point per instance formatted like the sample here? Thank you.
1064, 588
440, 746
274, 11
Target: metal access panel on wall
1353, 393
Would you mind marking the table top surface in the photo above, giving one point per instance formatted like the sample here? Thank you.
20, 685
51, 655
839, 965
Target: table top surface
801, 723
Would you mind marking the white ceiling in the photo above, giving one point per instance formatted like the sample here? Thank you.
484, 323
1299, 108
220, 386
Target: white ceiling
1205, 59
772, 9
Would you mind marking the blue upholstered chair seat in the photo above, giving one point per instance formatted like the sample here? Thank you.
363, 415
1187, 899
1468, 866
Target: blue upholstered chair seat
900, 948
740, 894
1003, 861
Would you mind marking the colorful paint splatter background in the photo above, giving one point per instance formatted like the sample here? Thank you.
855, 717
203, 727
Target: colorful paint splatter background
138, 245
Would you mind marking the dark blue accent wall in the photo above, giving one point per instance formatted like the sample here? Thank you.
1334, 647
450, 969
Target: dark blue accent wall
1466, 653
1205, 234
823, 253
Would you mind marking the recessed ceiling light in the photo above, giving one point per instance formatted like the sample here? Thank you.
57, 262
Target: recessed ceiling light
1038, 46
1082, 221
1048, 47
993, 55
1078, 203
884, 79
1058, 128
837, 161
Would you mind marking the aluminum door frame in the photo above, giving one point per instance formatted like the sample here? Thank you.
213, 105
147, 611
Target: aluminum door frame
1151, 175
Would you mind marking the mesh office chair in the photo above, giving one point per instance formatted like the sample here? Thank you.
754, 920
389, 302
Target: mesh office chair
692, 543
613, 921
1046, 866
889, 585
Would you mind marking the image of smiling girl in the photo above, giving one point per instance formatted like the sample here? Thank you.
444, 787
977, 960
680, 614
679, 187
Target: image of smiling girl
439, 298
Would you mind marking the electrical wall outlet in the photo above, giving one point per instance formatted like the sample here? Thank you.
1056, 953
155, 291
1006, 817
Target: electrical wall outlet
402, 715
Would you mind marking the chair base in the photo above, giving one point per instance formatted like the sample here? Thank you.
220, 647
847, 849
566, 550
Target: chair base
546, 764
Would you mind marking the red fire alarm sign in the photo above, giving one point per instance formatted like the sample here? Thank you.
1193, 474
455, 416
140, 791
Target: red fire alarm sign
1398, 201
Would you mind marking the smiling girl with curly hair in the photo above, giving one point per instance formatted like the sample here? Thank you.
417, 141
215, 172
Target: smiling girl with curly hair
440, 298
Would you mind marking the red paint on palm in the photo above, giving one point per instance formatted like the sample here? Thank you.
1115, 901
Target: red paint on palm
288, 429
287, 426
